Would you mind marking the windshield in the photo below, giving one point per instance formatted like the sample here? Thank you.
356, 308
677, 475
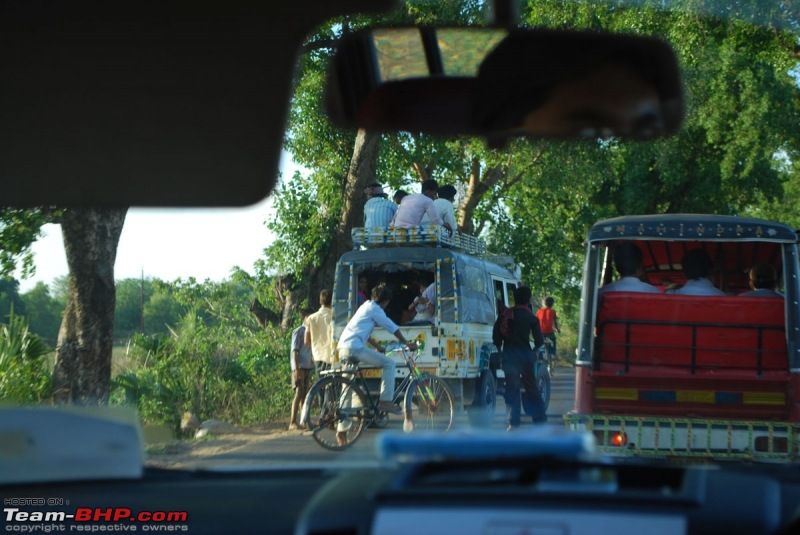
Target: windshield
207, 323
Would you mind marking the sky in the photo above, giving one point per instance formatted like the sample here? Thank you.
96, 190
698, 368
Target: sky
171, 243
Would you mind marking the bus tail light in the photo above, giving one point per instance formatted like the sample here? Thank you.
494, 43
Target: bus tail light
617, 439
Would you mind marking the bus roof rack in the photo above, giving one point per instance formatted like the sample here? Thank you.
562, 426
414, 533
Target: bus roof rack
427, 235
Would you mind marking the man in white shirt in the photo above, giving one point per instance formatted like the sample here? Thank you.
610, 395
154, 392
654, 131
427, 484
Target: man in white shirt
697, 267
424, 304
358, 333
378, 210
444, 207
628, 261
414, 206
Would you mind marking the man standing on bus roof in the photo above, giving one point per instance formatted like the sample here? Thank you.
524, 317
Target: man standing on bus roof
414, 206
628, 261
358, 333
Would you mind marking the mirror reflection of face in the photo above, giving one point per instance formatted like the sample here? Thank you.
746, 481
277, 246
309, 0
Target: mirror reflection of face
610, 99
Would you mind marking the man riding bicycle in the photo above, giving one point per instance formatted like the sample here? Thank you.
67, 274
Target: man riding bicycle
358, 333
548, 321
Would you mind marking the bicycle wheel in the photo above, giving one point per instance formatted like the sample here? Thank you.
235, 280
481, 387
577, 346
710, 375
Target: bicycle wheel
335, 412
543, 385
429, 404
550, 351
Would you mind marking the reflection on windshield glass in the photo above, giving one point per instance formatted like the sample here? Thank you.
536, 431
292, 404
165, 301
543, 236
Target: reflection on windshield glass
400, 54
462, 52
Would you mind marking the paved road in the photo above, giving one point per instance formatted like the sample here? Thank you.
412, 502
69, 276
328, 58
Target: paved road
290, 448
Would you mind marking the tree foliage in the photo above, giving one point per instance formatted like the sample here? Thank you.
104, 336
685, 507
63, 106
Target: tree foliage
536, 200
315, 211
43, 312
733, 155
19, 228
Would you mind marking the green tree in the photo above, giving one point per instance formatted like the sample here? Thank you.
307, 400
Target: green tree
58, 288
536, 200
43, 311
315, 213
742, 110
132, 296
161, 311
734, 154
10, 298
82, 371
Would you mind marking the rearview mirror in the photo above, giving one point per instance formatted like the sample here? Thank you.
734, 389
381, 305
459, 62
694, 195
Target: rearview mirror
498, 83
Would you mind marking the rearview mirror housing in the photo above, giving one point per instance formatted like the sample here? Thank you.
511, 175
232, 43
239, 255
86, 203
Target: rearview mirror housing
498, 83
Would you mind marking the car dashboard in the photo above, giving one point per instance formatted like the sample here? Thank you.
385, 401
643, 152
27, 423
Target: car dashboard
543, 479
496, 497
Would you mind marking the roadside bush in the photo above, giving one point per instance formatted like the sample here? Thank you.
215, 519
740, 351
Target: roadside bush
269, 381
211, 371
24, 370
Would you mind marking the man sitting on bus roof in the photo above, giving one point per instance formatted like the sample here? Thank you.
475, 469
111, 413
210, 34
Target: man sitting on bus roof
413, 207
378, 210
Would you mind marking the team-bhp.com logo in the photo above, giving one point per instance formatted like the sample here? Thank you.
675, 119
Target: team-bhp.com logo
93, 519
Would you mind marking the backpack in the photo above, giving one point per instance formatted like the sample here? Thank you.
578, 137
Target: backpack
505, 318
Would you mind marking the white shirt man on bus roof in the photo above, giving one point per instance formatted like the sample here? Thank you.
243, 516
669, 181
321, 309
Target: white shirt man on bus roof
444, 207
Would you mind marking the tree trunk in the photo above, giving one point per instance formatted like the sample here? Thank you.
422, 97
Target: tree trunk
476, 188
82, 373
360, 174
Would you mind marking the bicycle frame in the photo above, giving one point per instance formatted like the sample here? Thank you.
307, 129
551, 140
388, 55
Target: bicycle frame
350, 401
413, 374
360, 381
354, 374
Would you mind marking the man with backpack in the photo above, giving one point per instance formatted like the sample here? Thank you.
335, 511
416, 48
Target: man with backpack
514, 329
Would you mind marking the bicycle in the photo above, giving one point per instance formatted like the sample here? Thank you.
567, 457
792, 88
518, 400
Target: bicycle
550, 355
339, 406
